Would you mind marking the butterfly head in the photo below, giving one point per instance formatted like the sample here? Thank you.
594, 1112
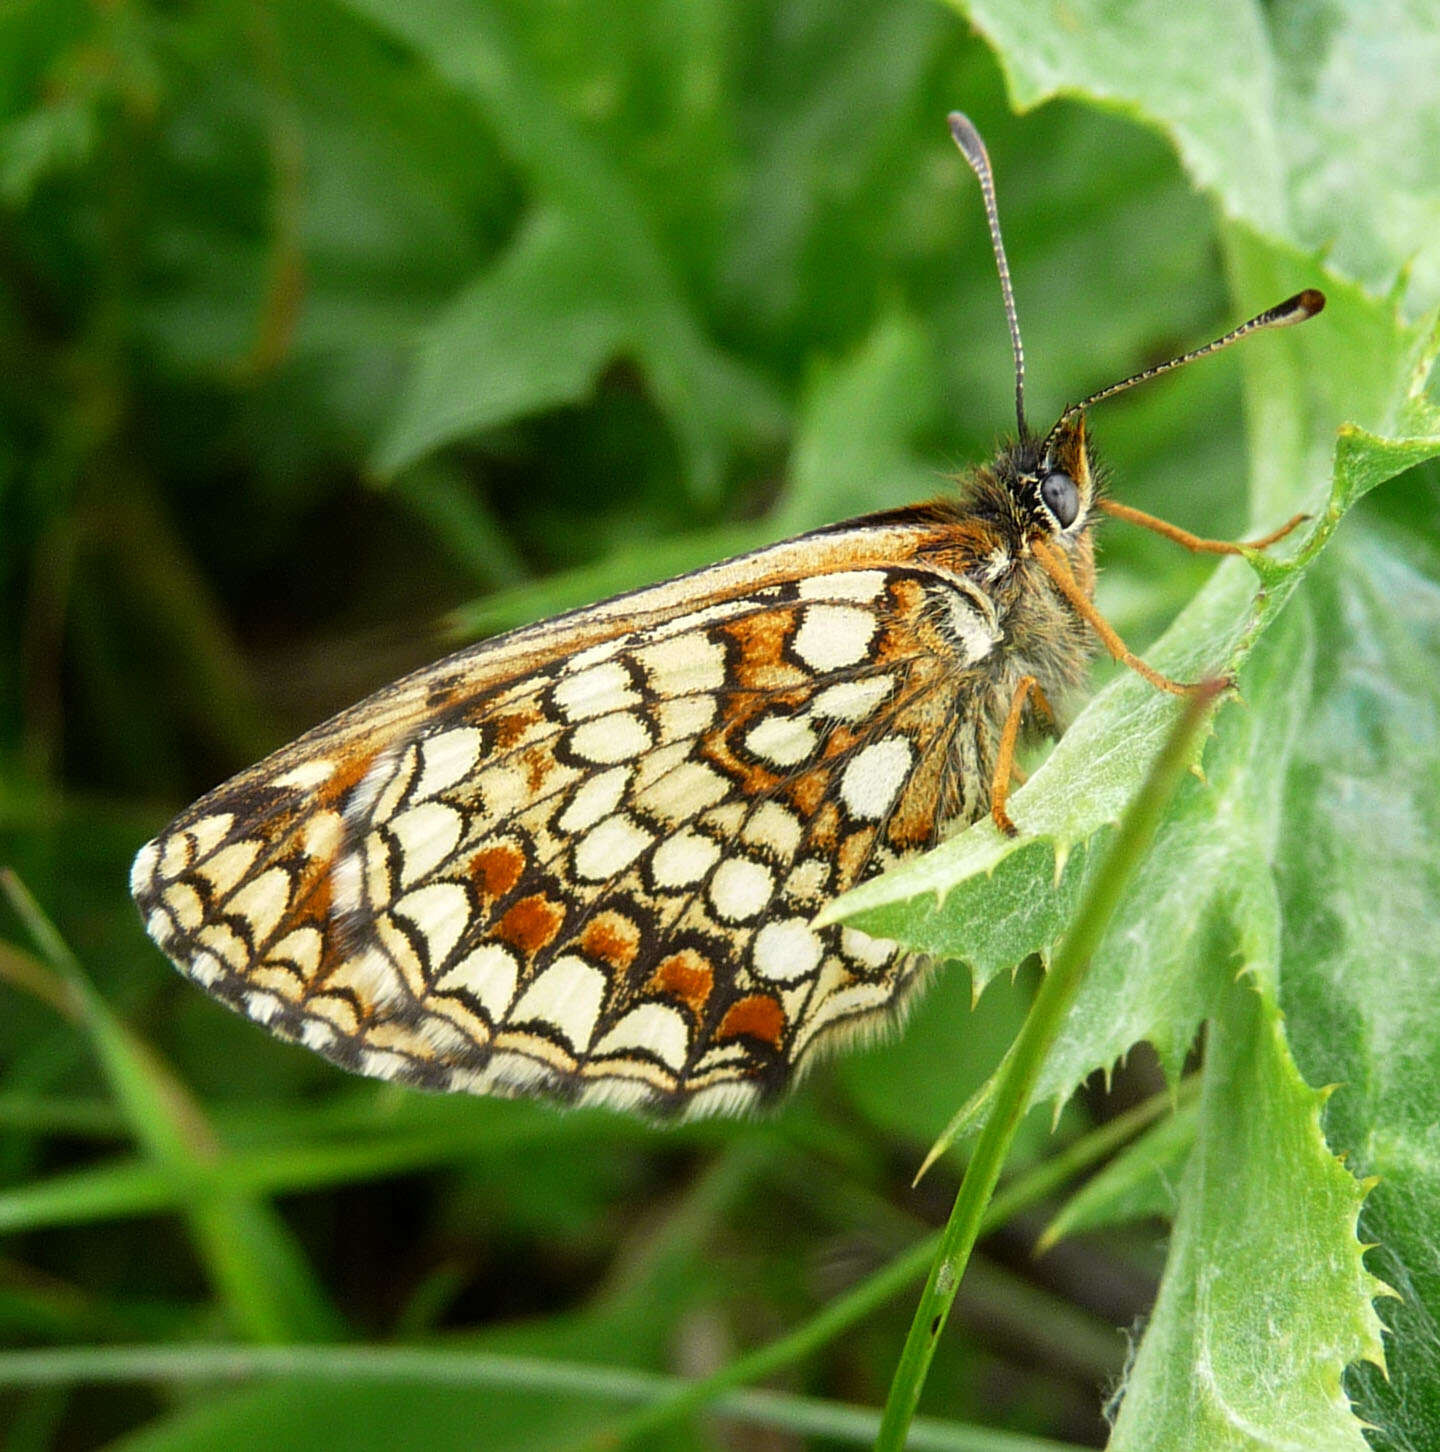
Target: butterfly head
1044, 490
1056, 490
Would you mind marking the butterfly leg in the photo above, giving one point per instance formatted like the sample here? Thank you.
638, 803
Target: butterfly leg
1193, 541
1058, 569
1005, 766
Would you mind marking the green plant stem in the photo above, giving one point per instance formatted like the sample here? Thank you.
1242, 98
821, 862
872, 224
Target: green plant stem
1018, 1074
441, 1366
686, 1399
253, 1260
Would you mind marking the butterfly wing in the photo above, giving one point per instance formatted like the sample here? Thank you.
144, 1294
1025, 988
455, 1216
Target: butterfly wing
581, 861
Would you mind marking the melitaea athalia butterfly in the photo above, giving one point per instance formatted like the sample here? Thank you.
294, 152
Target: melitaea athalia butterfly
582, 860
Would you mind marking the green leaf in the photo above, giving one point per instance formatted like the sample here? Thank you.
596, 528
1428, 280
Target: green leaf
531, 333
1358, 892
1140, 1182
859, 418
1265, 1297
248, 1250
709, 398
1274, 109
853, 450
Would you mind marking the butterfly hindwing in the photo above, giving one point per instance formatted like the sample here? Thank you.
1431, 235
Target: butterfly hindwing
582, 861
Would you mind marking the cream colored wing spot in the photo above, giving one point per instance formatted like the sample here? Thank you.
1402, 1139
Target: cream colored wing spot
653, 1028
225, 944
596, 798
401, 953
869, 952
263, 1007
489, 974
786, 950
775, 828
598, 691
610, 848
971, 619
683, 792
206, 969
347, 882
424, 836
175, 855
161, 926
683, 860
142, 869
682, 718
683, 666
445, 759
782, 740
320, 836
809, 881
261, 903
301, 947
379, 881
397, 788
308, 775
859, 585
832, 637
613, 738
606, 650
853, 700
316, 1035
656, 765
359, 808
440, 913
505, 791
872, 778
741, 890
225, 869
566, 997
209, 832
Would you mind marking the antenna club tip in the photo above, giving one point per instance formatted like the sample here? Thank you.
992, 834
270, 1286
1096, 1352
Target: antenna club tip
966, 137
1300, 308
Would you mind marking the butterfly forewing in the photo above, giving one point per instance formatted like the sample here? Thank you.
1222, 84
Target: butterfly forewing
582, 861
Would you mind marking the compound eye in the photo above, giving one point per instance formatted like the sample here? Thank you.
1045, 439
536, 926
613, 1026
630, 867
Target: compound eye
1061, 497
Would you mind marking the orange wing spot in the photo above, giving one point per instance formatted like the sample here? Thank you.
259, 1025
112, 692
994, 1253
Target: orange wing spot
538, 763
808, 791
509, 729
762, 638
531, 924
841, 741
824, 833
756, 1017
854, 852
611, 938
920, 807
686, 976
497, 869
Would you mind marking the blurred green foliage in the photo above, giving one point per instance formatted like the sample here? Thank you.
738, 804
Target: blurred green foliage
344, 331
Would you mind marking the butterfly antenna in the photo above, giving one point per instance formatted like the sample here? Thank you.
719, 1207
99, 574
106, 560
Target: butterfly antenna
1297, 309
972, 148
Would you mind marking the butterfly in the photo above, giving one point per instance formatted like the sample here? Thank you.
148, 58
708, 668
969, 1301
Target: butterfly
582, 861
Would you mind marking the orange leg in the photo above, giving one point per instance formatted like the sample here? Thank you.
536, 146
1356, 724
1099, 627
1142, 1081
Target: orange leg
1005, 766
1058, 568
1193, 541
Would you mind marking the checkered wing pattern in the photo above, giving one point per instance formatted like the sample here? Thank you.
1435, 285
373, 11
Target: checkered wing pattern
582, 861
